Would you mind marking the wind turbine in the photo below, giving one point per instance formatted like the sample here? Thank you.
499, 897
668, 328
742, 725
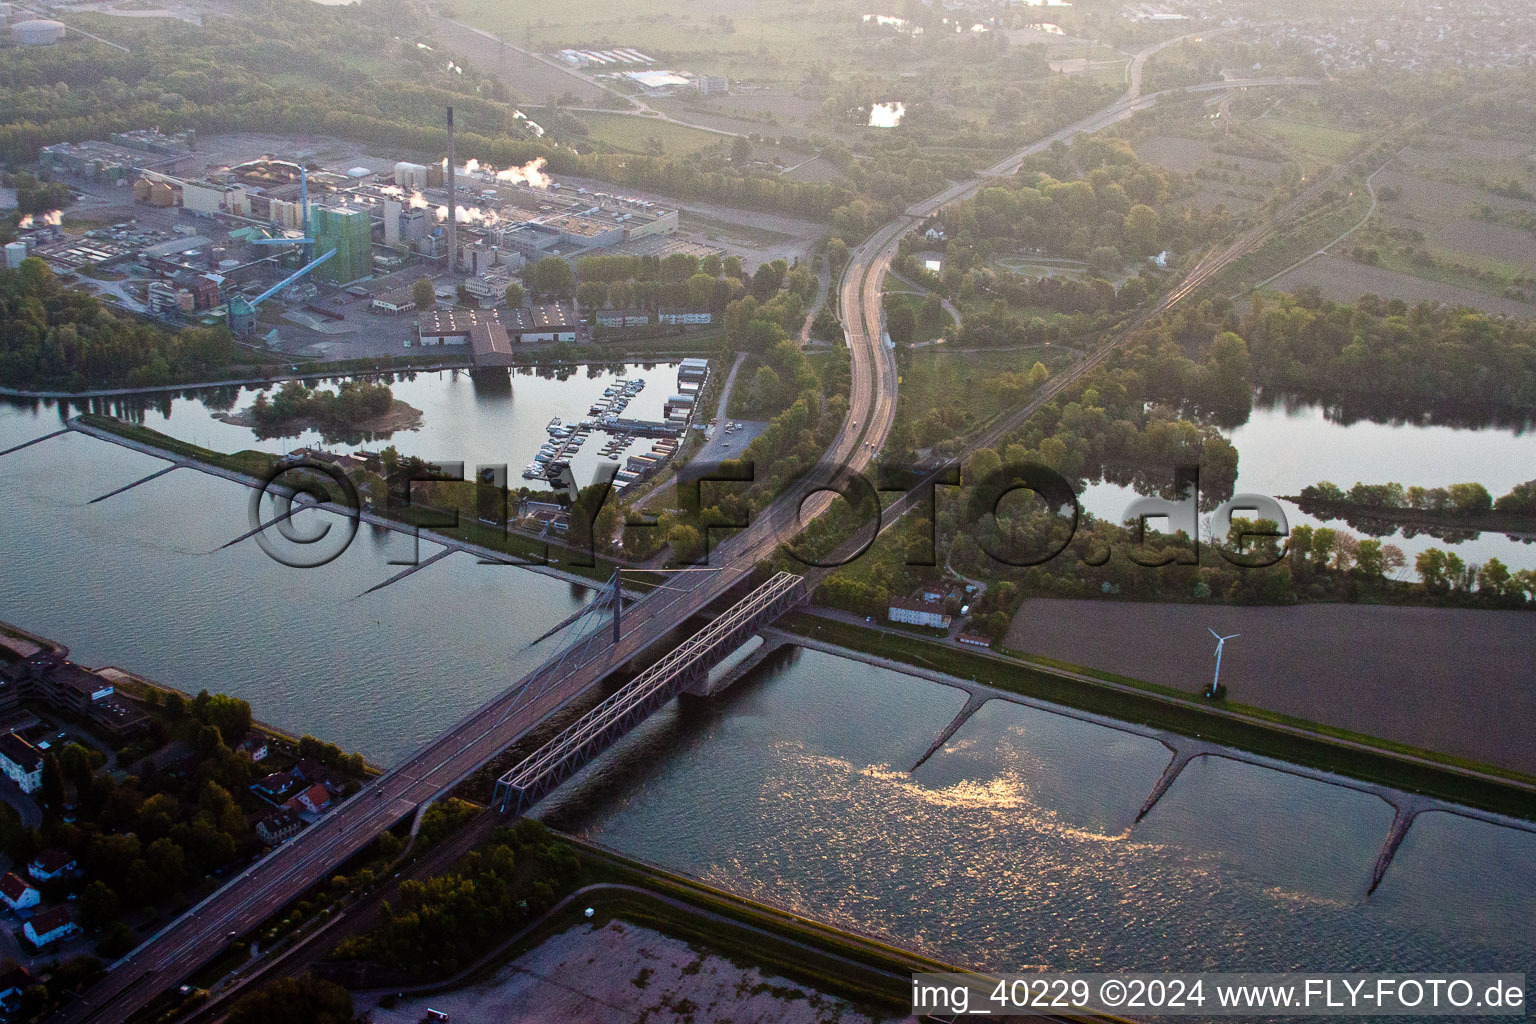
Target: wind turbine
1221, 641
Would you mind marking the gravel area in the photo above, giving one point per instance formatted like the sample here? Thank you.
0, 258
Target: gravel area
620, 972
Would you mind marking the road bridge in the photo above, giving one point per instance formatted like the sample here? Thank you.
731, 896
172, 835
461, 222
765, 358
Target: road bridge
684, 668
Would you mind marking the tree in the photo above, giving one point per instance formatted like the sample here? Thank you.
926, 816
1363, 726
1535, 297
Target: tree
53, 782
591, 295
553, 276
514, 295
1141, 229
741, 150
301, 1000
901, 324
99, 906
424, 294
767, 280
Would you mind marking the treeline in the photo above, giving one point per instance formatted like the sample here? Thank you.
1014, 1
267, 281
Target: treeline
1386, 358
56, 337
447, 922
1467, 499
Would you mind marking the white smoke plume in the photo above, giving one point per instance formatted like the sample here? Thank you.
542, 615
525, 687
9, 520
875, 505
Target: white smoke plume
531, 173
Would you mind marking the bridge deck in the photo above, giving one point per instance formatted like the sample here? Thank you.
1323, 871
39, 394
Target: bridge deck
690, 661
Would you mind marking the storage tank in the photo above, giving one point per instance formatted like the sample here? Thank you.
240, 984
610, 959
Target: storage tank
38, 32
15, 252
409, 175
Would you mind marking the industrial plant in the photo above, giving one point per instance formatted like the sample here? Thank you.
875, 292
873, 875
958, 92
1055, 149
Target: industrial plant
286, 229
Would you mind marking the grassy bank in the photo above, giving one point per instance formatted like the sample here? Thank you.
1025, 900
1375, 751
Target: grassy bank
1243, 727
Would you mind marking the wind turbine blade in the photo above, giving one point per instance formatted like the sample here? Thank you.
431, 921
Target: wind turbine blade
1213, 633
1231, 637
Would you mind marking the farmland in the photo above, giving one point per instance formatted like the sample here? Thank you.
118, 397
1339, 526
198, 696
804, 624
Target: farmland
642, 135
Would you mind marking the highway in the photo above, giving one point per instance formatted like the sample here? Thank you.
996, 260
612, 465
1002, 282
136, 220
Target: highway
168, 957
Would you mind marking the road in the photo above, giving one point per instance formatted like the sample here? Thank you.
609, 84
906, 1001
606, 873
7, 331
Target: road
246, 900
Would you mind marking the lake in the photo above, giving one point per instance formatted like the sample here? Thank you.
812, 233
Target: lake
1283, 449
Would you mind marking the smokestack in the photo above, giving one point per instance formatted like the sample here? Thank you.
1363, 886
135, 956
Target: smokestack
453, 204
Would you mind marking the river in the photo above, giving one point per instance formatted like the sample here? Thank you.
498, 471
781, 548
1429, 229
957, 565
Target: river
138, 581
1014, 847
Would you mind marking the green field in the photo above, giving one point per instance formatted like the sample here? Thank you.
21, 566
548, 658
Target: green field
732, 32
1319, 143
939, 379
622, 131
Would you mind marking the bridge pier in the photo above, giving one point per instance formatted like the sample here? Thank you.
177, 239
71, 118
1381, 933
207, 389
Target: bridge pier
685, 667
712, 685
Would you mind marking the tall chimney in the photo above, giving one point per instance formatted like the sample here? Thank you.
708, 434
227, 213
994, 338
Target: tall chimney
453, 204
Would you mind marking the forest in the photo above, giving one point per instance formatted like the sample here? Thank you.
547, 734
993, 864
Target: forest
56, 337
447, 922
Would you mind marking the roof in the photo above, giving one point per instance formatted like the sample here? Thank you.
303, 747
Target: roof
13, 886
51, 920
277, 781
454, 321
73, 677
543, 317
20, 752
488, 340
316, 794
52, 860
280, 819
917, 604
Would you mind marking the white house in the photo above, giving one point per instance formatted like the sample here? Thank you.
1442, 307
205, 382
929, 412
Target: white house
21, 762
919, 611
52, 863
50, 926
16, 893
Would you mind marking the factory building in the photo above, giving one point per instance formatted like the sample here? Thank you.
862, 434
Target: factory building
349, 232
551, 322
117, 162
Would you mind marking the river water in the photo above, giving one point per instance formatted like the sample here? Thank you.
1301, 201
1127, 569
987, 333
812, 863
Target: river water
491, 417
1012, 847
138, 581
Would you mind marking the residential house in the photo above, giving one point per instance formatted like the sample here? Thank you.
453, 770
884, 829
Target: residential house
13, 982
919, 611
50, 926
16, 893
254, 744
276, 785
21, 762
278, 827
315, 800
51, 864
